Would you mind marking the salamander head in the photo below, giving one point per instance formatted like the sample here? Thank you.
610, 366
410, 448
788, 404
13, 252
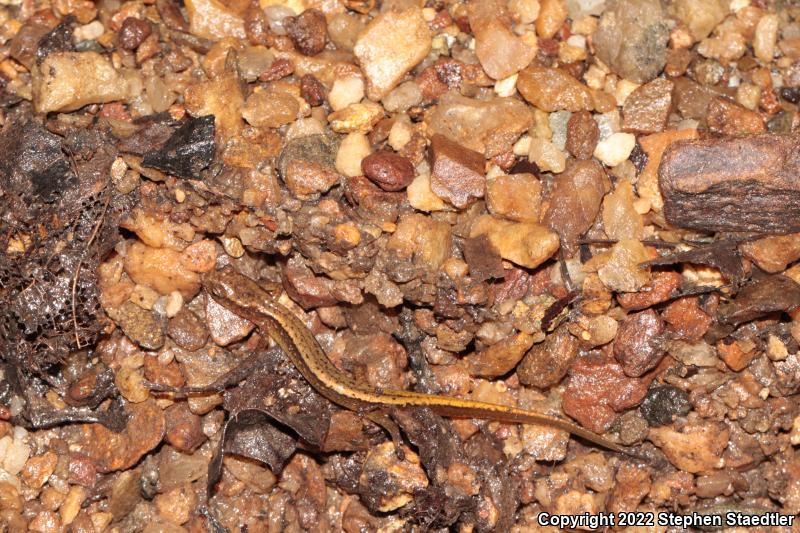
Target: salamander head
234, 290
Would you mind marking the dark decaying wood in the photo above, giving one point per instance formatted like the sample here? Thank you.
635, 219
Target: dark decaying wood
745, 184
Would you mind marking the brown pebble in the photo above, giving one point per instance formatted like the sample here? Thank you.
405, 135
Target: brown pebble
597, 389
639, 344
390, 171
305, 288
575, 200
133, 33
647, 109
256, 26
582, 135
139, 325
38, 469
685, 318
171, 15
312, 90
661, 286
83, 389
187, 330
308, 31
547, 362
457, 172
280, 68
184, 428
112, 451
499, 358
306, 179
734, 356
82, 470
729, 118
157, 372
552, 89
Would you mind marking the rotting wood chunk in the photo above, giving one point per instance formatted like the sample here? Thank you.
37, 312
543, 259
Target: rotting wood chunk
747, 184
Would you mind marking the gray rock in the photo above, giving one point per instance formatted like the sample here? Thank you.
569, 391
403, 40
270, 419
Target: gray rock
632, 39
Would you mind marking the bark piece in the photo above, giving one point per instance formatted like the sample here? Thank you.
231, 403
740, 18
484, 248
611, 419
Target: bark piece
749, 184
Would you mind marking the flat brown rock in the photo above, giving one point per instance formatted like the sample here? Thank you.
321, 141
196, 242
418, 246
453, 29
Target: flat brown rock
119, 451
647, 108
457, 172
748, 184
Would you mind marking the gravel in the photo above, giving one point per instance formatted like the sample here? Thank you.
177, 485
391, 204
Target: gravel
581, 207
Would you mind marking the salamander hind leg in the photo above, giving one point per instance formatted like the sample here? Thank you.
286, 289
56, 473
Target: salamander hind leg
381, 417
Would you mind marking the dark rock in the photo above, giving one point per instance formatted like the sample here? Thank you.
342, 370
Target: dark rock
308, 31
59, 39
133, 33
187, 151
663, 404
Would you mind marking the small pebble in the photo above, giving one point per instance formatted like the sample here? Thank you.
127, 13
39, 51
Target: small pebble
662, 404
346, 91
390, 171
353, 149
615, 149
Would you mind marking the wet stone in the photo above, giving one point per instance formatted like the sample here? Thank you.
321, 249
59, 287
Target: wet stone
225, 326
597, 389
187, 330
184, 429
662, 404
139, 325
308, 31
187, 151
388, 170
133, 33
547, 362
639, 346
